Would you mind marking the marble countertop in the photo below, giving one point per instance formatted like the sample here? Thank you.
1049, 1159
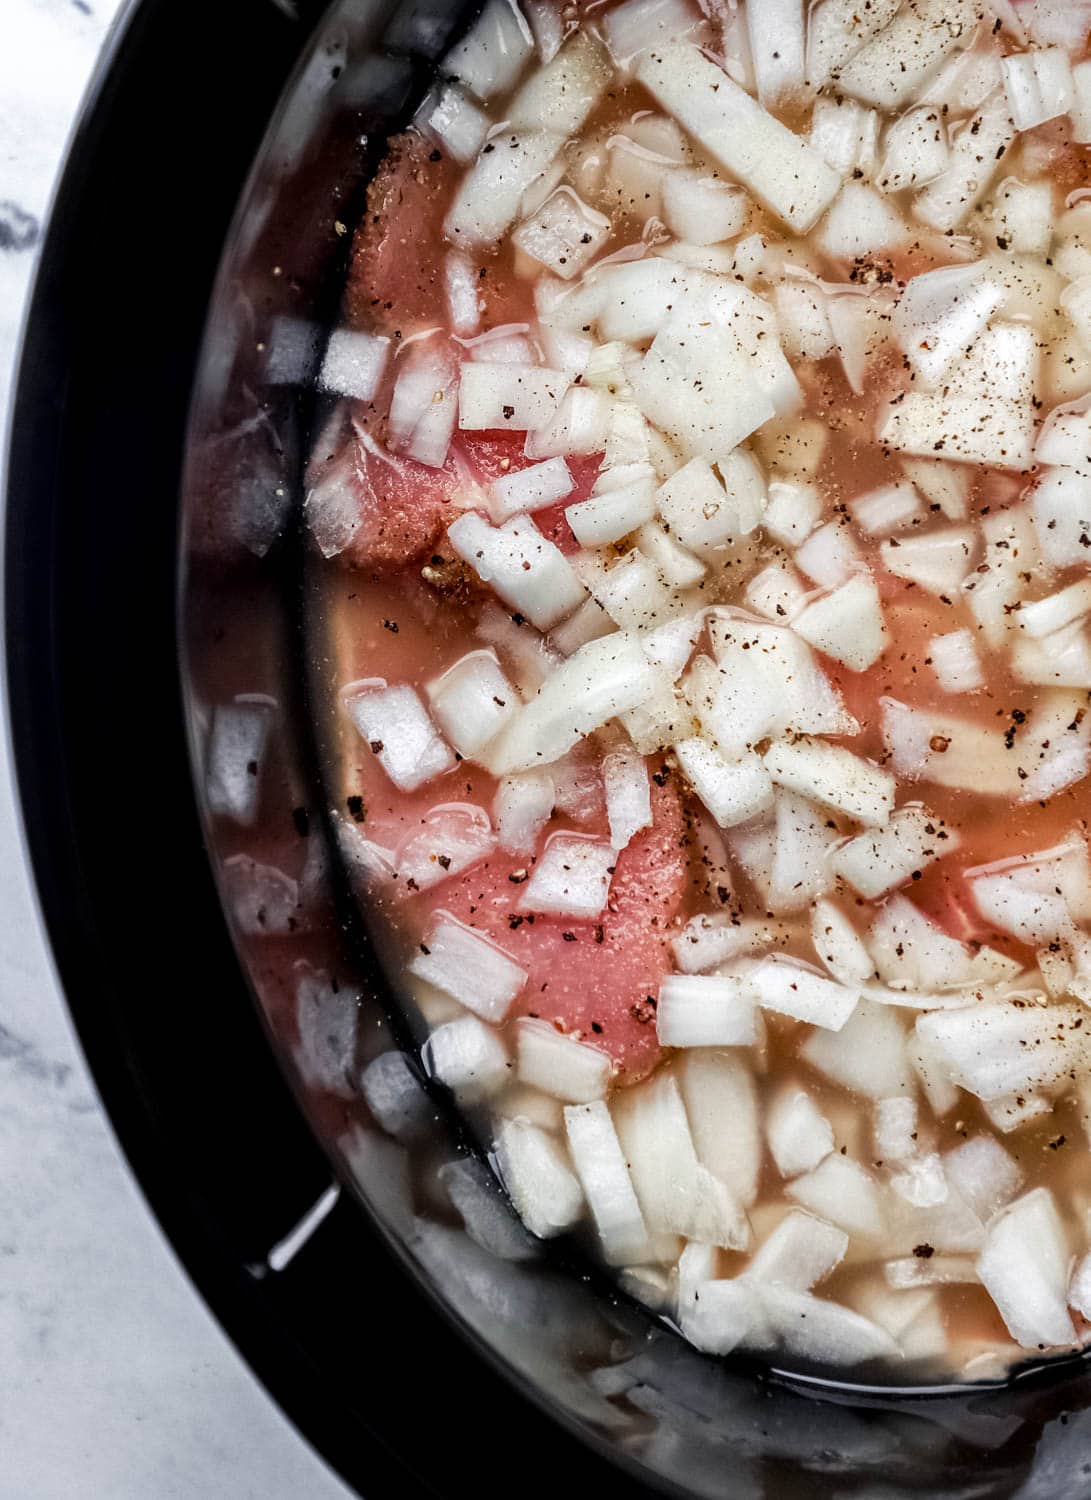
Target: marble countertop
118, 1383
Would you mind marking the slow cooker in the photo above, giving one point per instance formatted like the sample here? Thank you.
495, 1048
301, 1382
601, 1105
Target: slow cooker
160, 713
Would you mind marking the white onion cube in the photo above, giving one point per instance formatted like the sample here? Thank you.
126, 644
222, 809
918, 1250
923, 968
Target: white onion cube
467, 1057
396, 726
703, 1010
469, 968
535, 1172
571, 878
561, 1066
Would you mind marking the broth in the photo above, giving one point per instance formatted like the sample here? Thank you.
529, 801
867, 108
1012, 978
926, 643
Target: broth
823, 1163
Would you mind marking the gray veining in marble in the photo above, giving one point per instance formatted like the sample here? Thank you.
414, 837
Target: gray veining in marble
115, 1381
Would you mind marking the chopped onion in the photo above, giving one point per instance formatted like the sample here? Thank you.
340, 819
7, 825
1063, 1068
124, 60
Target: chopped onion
396, 1096
833, 776
677, 1194
580, 425
1024, 1268
777, 44
829, 555
893, 66
515, 397
614, 513
697, 1010
938, 561
561, 1066
469, 968
1023, 217
861, 223
494, 51
844, 134
840, 1191
454, 121
914, 150
799, 1135
1013, 1112
1038, 85
628, 794
530, 489
956, 663
846, 624
702, 209
777, 592
1044, 616
837, 29
571, 877
354, 364
535, 1173
528, 572
803, 319
636, 25
472, 701
765, 682
998, 1047
734, 791
604, 1176
490, 197
792, 511
882, 511
940, 314
874, 863
701, 512
452, 837
235, 757
722, 1108
423, 408
785, 174
720, 1315
799, 871
867, 1056
801, 1251
709, 940
976, 152
564, 234
782, 985
1061, 504
396, 726
1081, 111
468, 1057
560, 96
523, 806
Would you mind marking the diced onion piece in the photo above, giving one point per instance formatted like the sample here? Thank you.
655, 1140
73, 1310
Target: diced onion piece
940, 314
815, 1329
887, 509
837, 29
354, 364
235, 757
894, 1128
570, 878
494, 51
636, 25
564, 234
846, 624
634, 594
530, 489
861, 222
721, 1314
829, 555
490, 197
801, 1251
561, 1066
697, 1010
1081, 110
468, 1057
677, 567
844, 133
450, 838
1035, 917
875, 862
709, 940
984, 1174
867, 1056
1043, 616
840, 1191
948, 751
803, 320
734, 791
938, 561
628, 794
1023, 217
1061, 504
765, 682
893, 66
702, 209
454, 121
912, 952
839, 946
395, 1095
1062, 659
799, 1135
792, 511
942, 484
469, 968
777, 44
999, 1047
788, 988
524, 568
671, 645
535, 1173
700, 512
914, 150
472, 701
463, 297
423, 407
560, 96
396, 726
523, 806
1038, 85
1024, 1268
580, 425
677, 1194
513, 397
803, 837
976, 153
612, 514
601, 681
600, 1166
696, 382
834, 776
956, 663
777, 592
785, 174
1013, 1112
722, 1108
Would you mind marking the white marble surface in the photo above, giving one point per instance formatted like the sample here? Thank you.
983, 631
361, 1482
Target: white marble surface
117, 1384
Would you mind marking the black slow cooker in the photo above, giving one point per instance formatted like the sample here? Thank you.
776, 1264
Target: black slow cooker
164, 409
